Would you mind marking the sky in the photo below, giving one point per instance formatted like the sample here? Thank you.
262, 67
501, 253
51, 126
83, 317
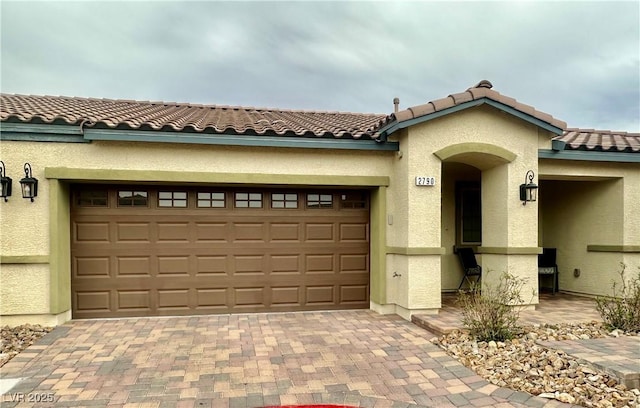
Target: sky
578, 61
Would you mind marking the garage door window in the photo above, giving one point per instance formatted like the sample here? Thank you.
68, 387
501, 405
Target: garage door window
211, 200
248, 200
176, 199
284, 200
129, 198
319, 201
92, 198
353, 200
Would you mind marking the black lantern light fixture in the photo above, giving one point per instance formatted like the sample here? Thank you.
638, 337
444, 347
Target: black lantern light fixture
29, 183
528, 191
5, 183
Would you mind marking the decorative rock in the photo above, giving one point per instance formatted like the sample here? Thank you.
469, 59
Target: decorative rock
564, 397
523, 364
558, 364
15, 339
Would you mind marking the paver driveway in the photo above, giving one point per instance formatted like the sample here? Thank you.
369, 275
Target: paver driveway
347, 357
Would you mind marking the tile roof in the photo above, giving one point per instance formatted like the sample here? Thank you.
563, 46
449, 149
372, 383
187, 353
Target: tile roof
600, 140
184, 117
478, 91
171, 116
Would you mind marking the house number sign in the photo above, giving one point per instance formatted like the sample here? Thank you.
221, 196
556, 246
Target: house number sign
425, 181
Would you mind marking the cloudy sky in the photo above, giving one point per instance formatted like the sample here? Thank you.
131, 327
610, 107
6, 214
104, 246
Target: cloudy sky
578, 61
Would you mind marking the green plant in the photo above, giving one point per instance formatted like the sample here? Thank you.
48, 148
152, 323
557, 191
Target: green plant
492, 313
622, 310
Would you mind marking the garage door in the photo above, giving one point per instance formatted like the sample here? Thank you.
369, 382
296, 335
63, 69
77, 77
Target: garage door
155, 250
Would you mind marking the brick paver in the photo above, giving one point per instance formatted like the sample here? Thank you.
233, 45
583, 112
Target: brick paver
619, 357
354, 358
552, 309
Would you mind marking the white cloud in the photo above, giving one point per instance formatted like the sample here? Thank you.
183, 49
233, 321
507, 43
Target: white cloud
577, 61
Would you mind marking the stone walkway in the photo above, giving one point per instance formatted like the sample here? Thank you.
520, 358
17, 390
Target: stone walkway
552, 309
354, 358
619, 357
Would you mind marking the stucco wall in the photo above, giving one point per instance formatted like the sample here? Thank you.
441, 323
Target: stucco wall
506, 223
24, 288
588, 205
26, 225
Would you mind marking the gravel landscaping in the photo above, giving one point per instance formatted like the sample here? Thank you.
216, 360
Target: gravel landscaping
523, 364
16, 339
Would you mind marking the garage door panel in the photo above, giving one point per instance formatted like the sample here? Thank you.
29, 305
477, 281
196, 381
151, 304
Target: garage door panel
93, 301
285, 296
285, 264
350, 263
91, 267
134, 299
173, 265
211, 265
285, 232
88, 232
173, 232
354, 232
173, 299
169, 261
319, 232
249, 296
210, 232
320, 295
248, 232
354, 293
134, 232
319, 263
133, 266
249, 264
213, 298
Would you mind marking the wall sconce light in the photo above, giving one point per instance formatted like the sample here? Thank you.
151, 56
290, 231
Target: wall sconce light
528, 191
5, 183
29, 183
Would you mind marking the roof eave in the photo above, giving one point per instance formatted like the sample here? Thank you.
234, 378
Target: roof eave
395, 126
74, 134
584, 155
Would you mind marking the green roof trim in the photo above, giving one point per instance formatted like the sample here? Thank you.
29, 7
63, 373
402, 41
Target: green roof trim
239, 140
394, 126
73, 134
596, 155
27, 132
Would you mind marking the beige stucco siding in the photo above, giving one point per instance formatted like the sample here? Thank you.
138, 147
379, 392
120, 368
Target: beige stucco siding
24, 289
429, 221
586, 206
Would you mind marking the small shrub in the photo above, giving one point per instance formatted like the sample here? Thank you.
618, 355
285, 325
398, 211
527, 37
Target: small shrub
492, 313
622, 310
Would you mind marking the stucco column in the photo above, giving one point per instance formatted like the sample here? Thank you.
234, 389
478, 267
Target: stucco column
509, 229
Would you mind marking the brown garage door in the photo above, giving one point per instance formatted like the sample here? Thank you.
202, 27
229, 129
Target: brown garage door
152, 251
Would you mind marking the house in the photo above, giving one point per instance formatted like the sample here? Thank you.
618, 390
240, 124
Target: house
157, 208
